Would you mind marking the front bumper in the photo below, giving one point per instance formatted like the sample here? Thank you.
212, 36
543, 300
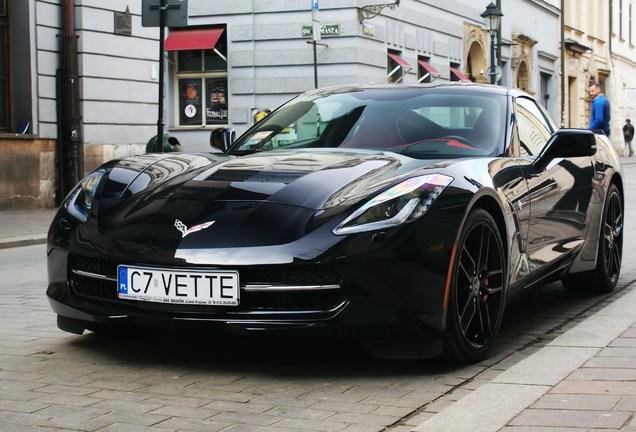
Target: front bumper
385, 305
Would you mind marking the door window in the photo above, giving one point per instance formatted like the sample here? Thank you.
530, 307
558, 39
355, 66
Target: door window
534, 126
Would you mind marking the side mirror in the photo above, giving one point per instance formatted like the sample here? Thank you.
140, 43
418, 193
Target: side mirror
222, 138
566, 143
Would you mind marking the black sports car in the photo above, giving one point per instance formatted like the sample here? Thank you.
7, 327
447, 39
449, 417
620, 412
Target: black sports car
402, 216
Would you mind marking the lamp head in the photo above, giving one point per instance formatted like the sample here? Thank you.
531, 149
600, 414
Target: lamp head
492, 17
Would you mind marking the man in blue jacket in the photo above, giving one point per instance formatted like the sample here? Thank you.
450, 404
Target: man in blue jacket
600, 109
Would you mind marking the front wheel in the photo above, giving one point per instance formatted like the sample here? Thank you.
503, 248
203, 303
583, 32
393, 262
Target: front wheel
476, 293
604, 277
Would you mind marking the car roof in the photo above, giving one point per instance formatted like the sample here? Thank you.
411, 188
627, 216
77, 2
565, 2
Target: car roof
462, 87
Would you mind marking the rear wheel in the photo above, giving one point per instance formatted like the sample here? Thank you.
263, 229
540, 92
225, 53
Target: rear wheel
476, 294
604, 277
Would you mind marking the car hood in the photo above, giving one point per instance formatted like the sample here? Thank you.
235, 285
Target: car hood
311, 179
316, 180
273, 198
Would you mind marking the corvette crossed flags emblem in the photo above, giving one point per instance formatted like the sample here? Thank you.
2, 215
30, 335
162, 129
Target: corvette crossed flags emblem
185, 230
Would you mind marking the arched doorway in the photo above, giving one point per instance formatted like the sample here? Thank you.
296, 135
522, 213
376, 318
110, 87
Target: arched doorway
475, 59
523, 77
476, 64
523, 61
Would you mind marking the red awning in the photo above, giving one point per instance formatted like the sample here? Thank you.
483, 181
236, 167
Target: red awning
458, 75
192, 39
427, 67
399, 60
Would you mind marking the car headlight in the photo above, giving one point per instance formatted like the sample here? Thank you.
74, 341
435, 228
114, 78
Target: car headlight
402, 203
80, 200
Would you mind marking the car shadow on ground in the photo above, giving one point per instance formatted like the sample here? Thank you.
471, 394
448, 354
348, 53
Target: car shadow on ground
533, 318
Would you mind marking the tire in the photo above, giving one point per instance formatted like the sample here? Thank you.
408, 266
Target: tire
476, 297
604, 277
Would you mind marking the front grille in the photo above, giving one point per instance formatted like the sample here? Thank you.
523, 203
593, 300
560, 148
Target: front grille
90, 286
288, 276
254, 299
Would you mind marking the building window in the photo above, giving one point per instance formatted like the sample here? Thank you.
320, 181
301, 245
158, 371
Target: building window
396, 67
200, 80
620, 19
629, 20
425, 72
4, 66
456, 74
545, 89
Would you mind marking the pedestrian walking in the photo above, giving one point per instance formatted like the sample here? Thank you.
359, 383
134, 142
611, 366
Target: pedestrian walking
628, 134
600, 109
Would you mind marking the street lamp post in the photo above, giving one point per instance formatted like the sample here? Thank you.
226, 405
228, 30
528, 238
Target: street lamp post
492, 19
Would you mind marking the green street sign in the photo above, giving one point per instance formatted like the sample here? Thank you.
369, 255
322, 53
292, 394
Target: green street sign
325, 30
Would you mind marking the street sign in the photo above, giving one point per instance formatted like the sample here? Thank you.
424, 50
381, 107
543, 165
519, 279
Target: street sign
176, 13
315, 21
325, 30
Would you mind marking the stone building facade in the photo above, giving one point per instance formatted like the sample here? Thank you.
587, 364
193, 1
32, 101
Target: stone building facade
247, 57
599, 45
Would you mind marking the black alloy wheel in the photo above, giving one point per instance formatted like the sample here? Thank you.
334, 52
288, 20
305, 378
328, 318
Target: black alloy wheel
604, 277
476, 297
612, 241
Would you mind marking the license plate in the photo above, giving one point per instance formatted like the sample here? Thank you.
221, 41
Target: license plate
193, 287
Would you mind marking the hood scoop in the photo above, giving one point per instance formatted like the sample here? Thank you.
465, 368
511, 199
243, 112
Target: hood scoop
255, 176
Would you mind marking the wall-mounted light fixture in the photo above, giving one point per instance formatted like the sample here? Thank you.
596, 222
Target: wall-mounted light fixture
371, 11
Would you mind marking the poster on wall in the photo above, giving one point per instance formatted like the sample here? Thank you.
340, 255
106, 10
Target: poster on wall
216, 111
190, 107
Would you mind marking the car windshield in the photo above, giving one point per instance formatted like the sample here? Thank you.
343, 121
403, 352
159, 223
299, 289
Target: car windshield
417, 122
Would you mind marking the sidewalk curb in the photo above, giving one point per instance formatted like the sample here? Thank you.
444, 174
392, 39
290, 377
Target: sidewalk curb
22, 241
484, 409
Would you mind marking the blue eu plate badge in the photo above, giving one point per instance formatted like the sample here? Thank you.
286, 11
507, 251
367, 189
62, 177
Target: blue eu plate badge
123, 280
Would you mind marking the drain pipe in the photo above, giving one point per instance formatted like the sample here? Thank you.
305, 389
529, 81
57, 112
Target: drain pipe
563, 64
499, 40
71, 153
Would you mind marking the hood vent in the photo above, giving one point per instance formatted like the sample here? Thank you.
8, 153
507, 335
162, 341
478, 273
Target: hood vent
234, 175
